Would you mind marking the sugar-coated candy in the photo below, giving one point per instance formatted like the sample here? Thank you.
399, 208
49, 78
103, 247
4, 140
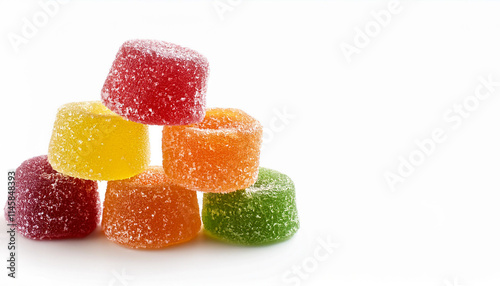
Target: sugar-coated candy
219, 154
91, 142
157, 83
147, 211
51, 205
261, 214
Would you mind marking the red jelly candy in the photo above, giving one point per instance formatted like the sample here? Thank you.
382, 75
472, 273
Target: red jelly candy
50, 205
157, 83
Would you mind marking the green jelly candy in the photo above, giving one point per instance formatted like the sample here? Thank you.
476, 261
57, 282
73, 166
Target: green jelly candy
263, 213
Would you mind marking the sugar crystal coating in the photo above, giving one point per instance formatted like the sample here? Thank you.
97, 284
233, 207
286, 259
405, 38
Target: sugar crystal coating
91, 142
157, 83
51, 205
219, 154
147, 211
264, 213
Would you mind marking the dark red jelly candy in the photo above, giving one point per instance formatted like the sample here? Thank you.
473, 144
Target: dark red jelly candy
157, 83
50, 205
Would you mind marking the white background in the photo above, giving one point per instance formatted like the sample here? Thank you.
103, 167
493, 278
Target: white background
351, 123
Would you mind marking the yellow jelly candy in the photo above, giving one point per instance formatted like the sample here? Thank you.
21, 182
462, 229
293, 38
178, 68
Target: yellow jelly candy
91, 142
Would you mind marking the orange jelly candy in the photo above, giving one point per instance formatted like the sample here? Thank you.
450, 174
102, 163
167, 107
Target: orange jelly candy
147, 211
219, 154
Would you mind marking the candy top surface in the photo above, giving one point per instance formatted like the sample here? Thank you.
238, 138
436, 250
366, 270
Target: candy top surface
270, 181
226, 120
162, 49
152, 176
270, 184
88, 108
39, 167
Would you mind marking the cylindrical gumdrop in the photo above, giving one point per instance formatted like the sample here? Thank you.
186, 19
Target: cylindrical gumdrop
146, 211
91, 142
157, 83
261, 214
219, 154
51, 205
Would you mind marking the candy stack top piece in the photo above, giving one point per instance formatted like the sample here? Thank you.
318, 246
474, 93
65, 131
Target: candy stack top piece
157, 83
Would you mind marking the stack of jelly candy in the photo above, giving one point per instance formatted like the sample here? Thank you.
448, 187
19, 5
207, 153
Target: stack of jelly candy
211, 150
